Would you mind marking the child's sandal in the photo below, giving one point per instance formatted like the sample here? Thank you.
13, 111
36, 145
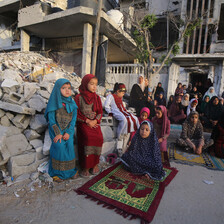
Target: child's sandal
57, 179
75, 176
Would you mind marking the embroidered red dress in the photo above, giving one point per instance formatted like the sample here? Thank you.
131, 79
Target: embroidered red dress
90, 140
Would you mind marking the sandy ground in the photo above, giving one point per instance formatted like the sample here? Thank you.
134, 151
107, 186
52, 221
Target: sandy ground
187, 199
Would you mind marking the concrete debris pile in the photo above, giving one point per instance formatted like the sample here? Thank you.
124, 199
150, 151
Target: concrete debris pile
26, 82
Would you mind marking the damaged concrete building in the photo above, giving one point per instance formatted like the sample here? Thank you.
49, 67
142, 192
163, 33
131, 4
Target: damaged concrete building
65, 30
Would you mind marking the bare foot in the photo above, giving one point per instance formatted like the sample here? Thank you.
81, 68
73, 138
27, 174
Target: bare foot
198, 150
147, 176
96, 169
75, 176
85, 173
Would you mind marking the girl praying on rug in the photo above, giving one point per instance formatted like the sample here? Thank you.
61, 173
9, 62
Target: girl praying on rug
192, 135
128, 122
192, 106
143, 156
61, 115
89, 135
162, 127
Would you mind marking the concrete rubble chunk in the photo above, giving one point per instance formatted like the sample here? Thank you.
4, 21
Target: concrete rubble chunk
47, 143
25, 163
21, 121
31, 134
46, 86
29, 90
52, 77
5, 121
2, 113
44, 94
37, 102
13, 75
38, 123
12, 130
1, 93
9, 85
36, 143
108, 134
17, 144
39, 153
16, 98
4, 153
9, 115
16, 108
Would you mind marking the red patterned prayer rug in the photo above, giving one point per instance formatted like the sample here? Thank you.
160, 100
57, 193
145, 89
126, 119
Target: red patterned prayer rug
130, 195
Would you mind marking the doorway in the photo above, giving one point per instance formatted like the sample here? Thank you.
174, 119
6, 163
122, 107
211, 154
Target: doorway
195, 78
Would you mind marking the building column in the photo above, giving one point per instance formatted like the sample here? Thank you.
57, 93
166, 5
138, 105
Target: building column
87, 49
25, 41
219, 78
174, 72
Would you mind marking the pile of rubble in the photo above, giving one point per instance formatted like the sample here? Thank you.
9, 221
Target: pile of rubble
26, 81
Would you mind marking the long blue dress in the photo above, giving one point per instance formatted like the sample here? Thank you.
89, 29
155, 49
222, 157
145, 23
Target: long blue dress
62, 155
144, 156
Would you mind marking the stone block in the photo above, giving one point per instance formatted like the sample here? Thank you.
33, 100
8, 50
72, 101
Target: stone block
9, 85
29, 90
53, 77
108, 147
17, 144
12, 130
108, 134
46, 86
31, 134
16, 98
4, 153
5, 121
39, 153
9, 115
36, 143
44, 94
2, 113
16, 108
47, 143
37, 103
107, 121
25, 163
38, 123
13, 75
21, 121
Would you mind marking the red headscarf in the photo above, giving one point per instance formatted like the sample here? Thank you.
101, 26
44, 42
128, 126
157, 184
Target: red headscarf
88, 96
163, 120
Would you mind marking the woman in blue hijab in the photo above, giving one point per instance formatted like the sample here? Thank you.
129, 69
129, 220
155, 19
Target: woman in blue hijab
143, 157
61, 113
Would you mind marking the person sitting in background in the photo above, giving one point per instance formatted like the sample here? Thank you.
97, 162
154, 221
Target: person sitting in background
176, 112
159, 89
161, 100
179, 90
204, 103
185, 102
210, 92
170, 101
184, 89
192, 106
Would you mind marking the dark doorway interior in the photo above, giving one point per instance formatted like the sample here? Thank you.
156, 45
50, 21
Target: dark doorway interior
198, 77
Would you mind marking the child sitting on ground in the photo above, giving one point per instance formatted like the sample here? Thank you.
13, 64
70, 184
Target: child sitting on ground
192, 135
162, 127
192, 106
89, 135
143, 157
61, 115
114, 106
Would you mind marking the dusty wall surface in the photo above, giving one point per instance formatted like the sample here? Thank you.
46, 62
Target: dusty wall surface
5, 34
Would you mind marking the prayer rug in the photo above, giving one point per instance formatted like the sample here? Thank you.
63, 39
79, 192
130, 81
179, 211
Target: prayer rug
179, 156
128, 194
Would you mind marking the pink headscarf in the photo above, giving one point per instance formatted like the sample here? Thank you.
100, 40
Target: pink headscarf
145, 109
164, 120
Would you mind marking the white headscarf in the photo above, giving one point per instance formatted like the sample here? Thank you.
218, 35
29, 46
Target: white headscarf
190, 108
185, 102
210, 94
142, 85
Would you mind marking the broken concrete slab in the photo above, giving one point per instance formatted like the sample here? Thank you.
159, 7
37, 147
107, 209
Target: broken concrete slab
2, 113
13, 75
29, 90
108, 134
53, 77
46, 86
31, 134
12, 130
37, 102
107, 121
9, 115
16, 108
16, 98
17, 144
21, 121
4, 153
38, 123
5, 121
25, 163
44, 94
36, 143
39, 153
9, 85
47, 143
1, 93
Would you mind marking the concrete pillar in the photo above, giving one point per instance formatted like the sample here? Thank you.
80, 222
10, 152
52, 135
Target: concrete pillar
221, 88
219, 78
87, 49
25, 41
174, 71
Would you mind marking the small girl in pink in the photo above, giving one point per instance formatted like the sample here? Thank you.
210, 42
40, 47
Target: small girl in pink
144, 115
162, 127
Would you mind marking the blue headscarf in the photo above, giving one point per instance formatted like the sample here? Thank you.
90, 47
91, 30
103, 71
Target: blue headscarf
56, 99
143, 155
